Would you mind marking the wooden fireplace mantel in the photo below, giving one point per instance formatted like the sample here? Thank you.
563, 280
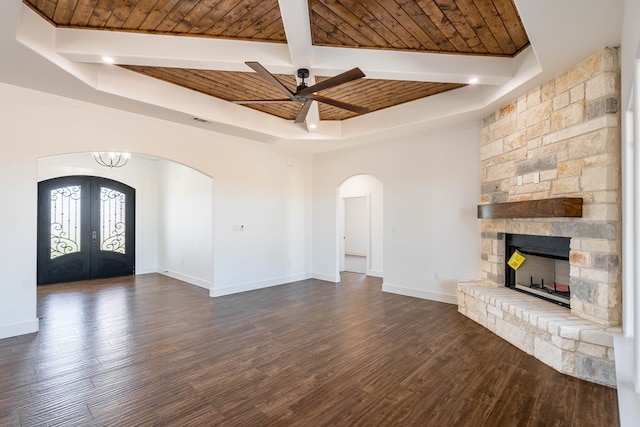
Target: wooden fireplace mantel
559, 207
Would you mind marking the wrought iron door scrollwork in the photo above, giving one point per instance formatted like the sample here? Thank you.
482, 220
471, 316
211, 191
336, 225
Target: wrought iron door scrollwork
65, 221
112, 220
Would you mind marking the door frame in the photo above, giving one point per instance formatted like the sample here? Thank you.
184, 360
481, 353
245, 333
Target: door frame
342, 229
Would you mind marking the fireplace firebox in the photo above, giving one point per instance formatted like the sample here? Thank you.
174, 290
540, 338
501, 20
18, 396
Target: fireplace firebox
543, 270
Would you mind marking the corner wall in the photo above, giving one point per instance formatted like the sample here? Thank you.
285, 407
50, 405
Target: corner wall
185, 224
430, 231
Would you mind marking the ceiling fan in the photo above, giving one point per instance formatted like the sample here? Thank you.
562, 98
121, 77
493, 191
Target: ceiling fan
304, 94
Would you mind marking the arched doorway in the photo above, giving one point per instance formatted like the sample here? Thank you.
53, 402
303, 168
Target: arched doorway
360, 225
86, 229
174, 211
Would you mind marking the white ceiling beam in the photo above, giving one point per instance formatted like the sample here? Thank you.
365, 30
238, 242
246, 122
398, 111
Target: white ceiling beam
295, 17
230, 55
170, 51
414, 66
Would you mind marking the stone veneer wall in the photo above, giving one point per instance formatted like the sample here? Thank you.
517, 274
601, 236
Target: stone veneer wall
567, 133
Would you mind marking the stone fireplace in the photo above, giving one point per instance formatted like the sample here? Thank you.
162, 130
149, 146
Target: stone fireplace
560, 140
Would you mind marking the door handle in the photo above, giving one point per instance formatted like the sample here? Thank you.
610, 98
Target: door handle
94, 236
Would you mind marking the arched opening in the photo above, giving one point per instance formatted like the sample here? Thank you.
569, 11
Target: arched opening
360, 225
174, 211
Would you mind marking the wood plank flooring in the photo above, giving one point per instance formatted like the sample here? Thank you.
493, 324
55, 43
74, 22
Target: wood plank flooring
153, 351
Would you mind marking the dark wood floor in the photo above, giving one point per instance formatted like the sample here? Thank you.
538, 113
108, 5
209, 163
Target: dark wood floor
150, 350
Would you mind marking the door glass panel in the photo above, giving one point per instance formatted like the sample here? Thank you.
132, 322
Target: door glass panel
65, 221
112, 220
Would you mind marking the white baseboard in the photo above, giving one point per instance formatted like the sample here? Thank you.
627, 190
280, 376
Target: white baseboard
218, 292
374, 273
147, 270
628, 399
15, 329
326, 277
186, 278
419, 293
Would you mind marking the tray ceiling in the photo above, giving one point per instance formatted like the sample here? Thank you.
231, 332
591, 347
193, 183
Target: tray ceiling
455, 27
373, 94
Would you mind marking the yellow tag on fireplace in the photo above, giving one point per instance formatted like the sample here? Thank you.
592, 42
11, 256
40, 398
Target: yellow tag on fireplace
516, 260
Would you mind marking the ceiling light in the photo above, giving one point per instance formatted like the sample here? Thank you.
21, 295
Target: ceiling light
312, 126
112, 159
473, 80
108, 59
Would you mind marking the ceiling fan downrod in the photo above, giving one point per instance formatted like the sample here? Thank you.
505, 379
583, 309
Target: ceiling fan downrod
303, 73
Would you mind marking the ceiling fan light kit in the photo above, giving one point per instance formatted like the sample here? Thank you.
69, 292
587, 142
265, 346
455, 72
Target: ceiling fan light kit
305, 95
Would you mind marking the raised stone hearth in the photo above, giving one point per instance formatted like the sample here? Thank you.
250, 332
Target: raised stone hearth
550, 333
560, 140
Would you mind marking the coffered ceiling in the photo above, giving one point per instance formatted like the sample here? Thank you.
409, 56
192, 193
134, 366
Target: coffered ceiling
461, 27
427, 63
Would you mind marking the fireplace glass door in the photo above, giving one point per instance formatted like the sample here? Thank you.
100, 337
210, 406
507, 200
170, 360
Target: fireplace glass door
545, 277
544, 273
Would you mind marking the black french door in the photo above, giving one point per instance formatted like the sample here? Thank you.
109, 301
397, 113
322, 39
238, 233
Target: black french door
86, 229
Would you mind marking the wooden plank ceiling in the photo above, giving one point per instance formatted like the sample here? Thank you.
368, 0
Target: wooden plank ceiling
463, 27
478, 27
257, 20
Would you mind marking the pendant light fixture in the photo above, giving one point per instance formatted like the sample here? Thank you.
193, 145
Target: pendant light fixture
111, 159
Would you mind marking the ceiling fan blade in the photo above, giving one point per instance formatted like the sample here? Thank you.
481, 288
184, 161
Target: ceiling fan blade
262, 101
347, 76
270, 78
339, 104
303, 112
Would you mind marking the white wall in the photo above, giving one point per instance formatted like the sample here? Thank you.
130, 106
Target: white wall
185, 230
262, 222
18, 186
431, 191
370, 185
627, 346
265, 188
